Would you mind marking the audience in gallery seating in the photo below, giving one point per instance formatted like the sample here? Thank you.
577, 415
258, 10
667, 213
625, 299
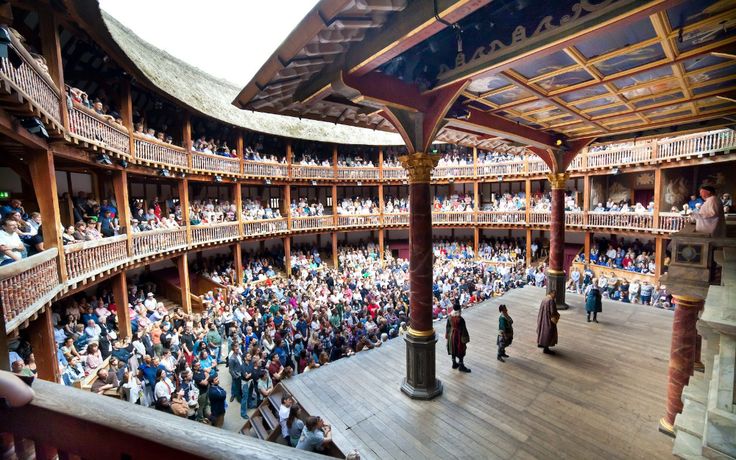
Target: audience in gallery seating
213, 147
212, 211
622, 254
462, 202
313, 159
303, 208
357, 205
79, 99
542, 202
624, 206
506, 202
395, 205
253, 210
614, 287
354, 160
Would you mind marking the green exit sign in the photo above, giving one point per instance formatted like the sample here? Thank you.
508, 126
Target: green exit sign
4, 194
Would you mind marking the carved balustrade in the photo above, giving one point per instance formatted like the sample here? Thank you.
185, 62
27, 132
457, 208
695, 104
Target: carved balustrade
312, 222
574, 219
26, 285
268, 170
89, 258
502, 217
25, 75
620, 155
453, 217
211, 233
622, 220
215, 163
95, 129
696, 144
368, 173
539, 218
157, 241
394, 173
452, 171
155, 151
393, 219
312, 172
358, 220
505, 168
537, 166
265, 227
671, 221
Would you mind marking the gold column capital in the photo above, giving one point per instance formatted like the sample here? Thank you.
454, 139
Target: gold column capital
558, 180
419, 165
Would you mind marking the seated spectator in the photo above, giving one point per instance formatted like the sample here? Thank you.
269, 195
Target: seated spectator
12, 248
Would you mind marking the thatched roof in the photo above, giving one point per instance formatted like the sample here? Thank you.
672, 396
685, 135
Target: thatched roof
213, 97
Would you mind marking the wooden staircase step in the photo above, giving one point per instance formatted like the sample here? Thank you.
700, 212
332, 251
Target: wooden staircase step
267, 414
257, 423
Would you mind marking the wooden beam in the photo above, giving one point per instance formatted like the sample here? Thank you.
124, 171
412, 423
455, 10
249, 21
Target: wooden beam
183, 186
182, 264
41, 336
120, 295
495, 125
238, 263
122, 201
287, 255
335, 258
51, 48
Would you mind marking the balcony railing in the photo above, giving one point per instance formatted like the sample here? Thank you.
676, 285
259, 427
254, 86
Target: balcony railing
156, 151
506, 168
360, 220
400, 218
537, 166
394, 173
89, 258
623, 220
26, 285
27, 77
620, 155
446, 172
210, 233
156, 241
265, 227
671, 221
539, 218
452, 217
502, 217
370, 173
258, 168
310, 222
574, 219
215, 163
312, 172
696, 144
94, 129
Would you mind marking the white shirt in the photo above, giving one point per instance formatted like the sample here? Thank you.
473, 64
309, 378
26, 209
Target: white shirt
163, 389
283, 416
12, 241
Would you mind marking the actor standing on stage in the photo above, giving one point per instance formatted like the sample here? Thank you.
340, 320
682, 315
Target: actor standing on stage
457, 337
547, 323
505, 332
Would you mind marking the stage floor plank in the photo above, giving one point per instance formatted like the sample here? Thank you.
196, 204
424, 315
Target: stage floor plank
600, 397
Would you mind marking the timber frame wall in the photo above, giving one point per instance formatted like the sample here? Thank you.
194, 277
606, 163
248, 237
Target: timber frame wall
28, 288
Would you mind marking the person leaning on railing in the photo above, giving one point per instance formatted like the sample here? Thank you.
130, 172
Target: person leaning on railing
11, 246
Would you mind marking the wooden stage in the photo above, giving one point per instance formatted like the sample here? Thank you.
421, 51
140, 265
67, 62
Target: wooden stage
600, 397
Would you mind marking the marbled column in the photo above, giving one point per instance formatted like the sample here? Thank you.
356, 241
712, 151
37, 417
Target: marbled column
420, 381
555, 272
682, 355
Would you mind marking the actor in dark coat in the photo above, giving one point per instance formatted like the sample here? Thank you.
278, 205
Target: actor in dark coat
593, 302
547, 323
457, 337
505, 332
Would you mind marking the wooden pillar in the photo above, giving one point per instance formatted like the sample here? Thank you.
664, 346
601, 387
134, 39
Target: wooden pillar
287, 255
120, 294
586, 197
126, 111
237, 194
657, 196
476, 198
529, 238
381, 245
240, 149
380, 169
528, 198
289, 158
334, 161
335, 259
476, 241
122, 201
183, 185
186, 133
183, 265
555, 272
475, 164
4, 351
238, 263
588, 246
659, 256
51, 49
43, 177
334, 205
287, 205
380, 201
41, 336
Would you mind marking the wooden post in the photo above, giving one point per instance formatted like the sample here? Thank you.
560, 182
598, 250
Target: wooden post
122, 201
334, 205
51, 49
334, 161
287, 205
120, 294
528, 199
380, 168
476, 199
43, 177
186, 137
380, 202
183, 185
659, 255
289, 159
588, 245
476, 241
657, 197
4, 351
529, 237
237, 191
183, 265
126, 112
334, 250
475, 163
381, 245
238, 262
287, 255
41, 336
586, 197
240, 149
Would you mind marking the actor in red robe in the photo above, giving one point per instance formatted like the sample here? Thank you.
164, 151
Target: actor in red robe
457, 337
547, 323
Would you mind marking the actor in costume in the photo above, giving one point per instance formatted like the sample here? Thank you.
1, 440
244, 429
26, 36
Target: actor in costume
710, 217
547, 323
593, 302
505, 332
457, 337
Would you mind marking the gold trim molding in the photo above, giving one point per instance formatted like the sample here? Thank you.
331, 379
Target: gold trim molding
419, 166
558, 180
688, 301
415, 333
552, 271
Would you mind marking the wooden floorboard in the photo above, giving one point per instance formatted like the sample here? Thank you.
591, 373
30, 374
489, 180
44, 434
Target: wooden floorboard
600, 397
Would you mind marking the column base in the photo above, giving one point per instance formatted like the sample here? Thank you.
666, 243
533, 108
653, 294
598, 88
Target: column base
666, 427
556, 281
420, 381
